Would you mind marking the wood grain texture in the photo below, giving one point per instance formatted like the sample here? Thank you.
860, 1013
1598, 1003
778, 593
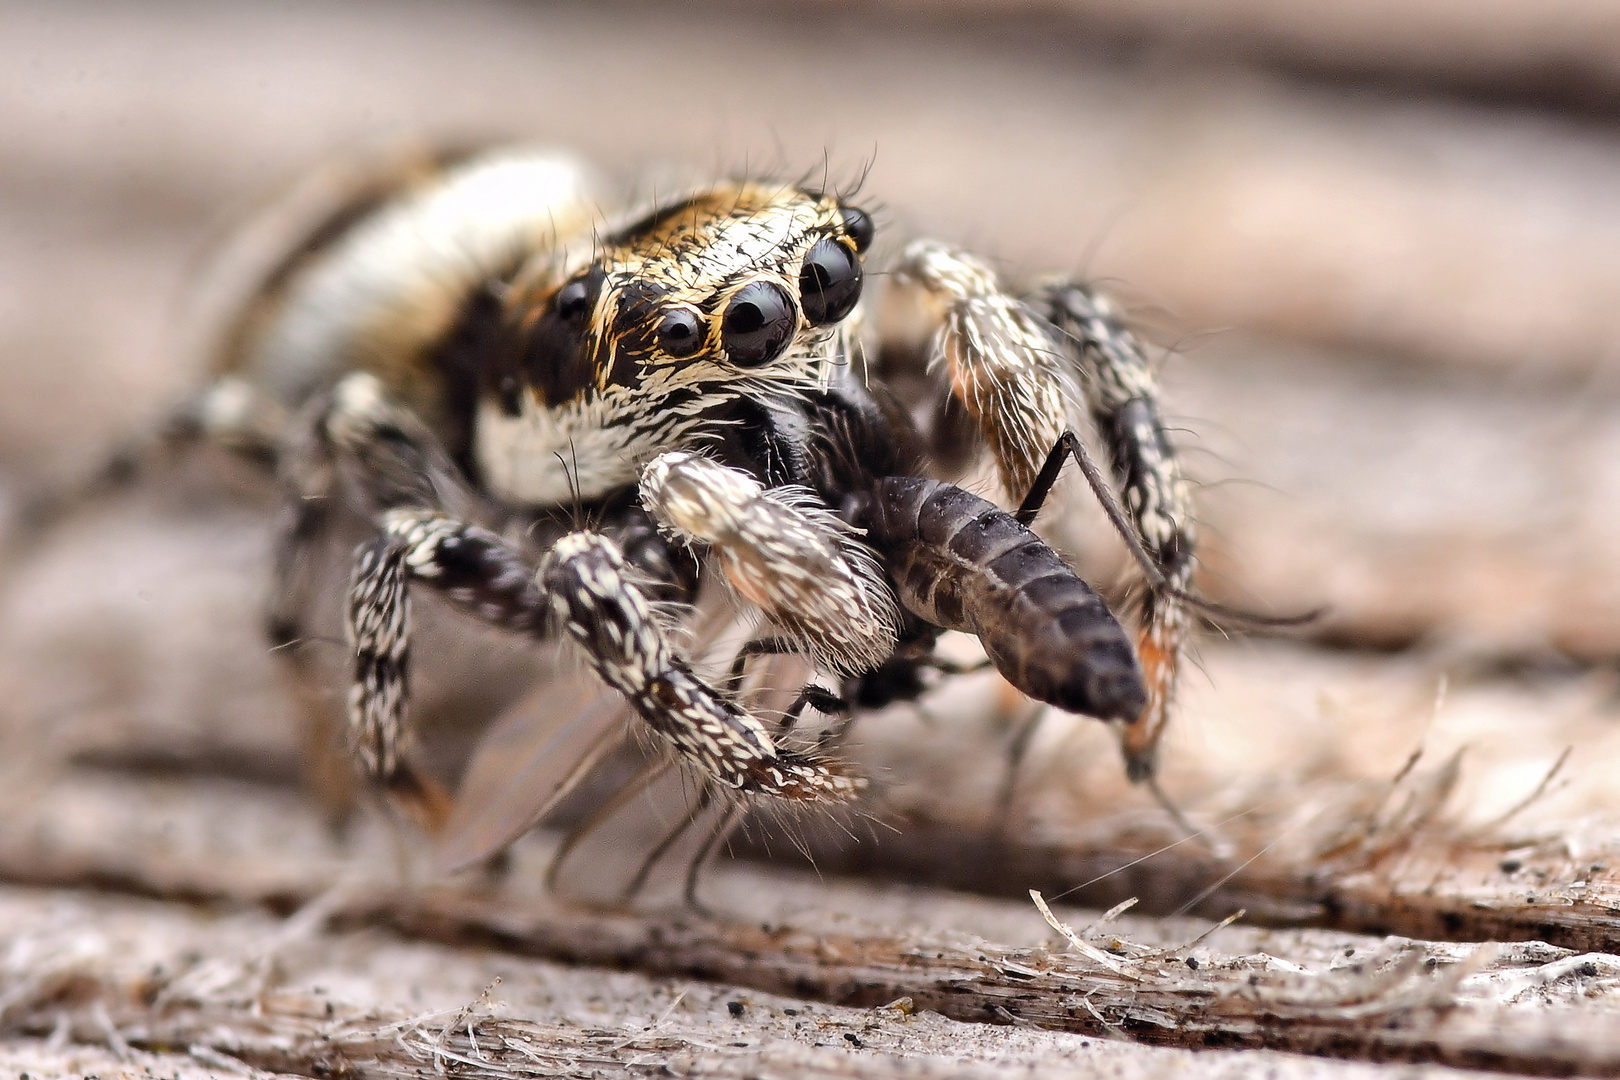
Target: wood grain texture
1386, 999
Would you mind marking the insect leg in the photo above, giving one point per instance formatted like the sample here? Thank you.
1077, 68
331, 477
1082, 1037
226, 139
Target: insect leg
809, 696
633, 788
660, 849
474, 568
783, 552
1017, 750
771, 646
722, 831
1122, 396
823, 701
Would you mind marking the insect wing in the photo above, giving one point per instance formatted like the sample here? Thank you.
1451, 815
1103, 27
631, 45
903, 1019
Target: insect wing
531, 758
646, 841
541, 749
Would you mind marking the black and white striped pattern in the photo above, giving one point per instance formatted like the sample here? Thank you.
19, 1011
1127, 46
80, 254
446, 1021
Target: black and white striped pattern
1123, 398
585, 590
379, 626
606, 613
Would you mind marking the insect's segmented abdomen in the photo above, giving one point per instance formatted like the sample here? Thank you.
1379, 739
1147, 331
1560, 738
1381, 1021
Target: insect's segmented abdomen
962, 563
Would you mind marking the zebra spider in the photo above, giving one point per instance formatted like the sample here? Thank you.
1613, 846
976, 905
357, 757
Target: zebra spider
471, 356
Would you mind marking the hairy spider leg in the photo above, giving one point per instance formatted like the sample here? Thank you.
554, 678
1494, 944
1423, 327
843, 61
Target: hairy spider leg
352, 451
1014, 366
600, 607
1122, 396
997, 355
782, 551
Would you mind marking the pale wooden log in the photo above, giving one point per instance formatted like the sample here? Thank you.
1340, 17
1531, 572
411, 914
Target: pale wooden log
1462, 1004
241, 990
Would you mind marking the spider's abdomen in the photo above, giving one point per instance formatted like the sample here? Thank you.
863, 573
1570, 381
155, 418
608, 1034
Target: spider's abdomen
381, 280
962, 563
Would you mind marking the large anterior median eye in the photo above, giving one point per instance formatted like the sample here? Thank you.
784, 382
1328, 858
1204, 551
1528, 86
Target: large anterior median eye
830, 282
758, 323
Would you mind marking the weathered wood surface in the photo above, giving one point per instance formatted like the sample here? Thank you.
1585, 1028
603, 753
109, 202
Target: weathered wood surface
1412, 423
1284, 751
1526, 1008
294, 996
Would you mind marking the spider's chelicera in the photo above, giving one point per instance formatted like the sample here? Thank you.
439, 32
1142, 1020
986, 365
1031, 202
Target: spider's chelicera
469, 353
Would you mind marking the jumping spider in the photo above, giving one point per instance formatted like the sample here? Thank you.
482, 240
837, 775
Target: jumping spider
474, 358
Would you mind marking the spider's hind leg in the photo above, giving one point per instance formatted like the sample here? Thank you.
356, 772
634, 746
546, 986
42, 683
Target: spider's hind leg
1122, 396
230, 413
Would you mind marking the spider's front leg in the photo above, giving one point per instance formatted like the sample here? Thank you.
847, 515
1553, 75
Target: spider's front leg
584, 588
354, 454
1020, 368
598, 603
785, 553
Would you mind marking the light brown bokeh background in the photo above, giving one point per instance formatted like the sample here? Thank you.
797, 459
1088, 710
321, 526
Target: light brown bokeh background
1375, 241
1391, 275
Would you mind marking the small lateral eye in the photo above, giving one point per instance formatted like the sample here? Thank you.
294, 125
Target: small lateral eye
758, 323
680, 334
573, 300
858, 224
830, 282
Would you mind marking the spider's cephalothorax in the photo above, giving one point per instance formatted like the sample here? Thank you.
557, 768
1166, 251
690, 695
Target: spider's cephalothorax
643, 341
470, 356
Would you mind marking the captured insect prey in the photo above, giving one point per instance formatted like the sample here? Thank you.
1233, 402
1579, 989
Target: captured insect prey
620, 423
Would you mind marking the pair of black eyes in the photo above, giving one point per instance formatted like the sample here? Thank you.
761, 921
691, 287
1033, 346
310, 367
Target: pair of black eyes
760, 319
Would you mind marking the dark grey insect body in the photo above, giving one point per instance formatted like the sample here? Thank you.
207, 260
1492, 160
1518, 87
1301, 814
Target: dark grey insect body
961, 563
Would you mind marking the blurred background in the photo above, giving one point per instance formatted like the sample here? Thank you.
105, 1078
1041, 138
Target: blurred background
1375, 241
